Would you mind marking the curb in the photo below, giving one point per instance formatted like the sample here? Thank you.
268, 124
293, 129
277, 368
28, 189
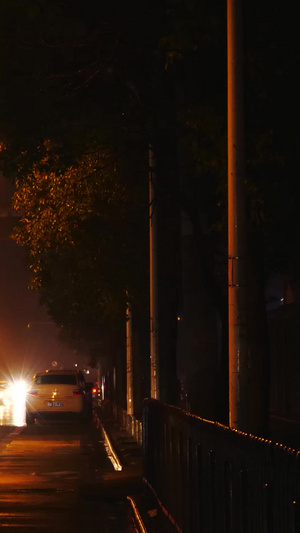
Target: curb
138, 519
148, 514
116, 462
110, 450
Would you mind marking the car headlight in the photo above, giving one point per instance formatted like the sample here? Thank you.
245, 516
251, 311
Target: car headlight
18, 389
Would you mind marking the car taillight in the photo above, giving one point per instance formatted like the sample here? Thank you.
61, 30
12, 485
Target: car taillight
32, 392
77, 392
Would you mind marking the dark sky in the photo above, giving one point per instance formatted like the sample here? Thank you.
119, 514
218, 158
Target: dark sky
28, 338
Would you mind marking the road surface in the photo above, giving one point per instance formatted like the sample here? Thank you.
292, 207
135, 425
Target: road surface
53, 477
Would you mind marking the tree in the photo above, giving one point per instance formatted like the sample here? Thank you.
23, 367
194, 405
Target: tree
118, 90
77, 227
111, 77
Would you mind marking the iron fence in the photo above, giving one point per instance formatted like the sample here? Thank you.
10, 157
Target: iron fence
131, 425
211, 479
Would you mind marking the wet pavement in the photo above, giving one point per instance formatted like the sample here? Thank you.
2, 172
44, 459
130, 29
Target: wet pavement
56, 475
53, 478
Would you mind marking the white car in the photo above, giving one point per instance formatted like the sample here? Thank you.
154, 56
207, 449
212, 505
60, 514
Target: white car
58, 391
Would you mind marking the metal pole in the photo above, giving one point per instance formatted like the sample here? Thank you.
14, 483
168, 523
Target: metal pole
154, 353
130, 406
237, 304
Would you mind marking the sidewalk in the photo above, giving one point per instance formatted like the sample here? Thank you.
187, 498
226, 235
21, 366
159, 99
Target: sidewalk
128, 482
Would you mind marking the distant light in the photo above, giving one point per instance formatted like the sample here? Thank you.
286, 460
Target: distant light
282, 299
179, 318
75, 364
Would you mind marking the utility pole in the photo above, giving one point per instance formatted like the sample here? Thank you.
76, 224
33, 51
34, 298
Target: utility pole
239, 367
154, 347
130, 404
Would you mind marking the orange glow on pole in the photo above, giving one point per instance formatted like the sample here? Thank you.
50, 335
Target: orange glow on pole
154, 355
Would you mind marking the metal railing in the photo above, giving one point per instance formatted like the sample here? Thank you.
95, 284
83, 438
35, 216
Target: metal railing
211, 479
132, 425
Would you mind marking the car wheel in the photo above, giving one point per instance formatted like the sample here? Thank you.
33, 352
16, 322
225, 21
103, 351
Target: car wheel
29, 418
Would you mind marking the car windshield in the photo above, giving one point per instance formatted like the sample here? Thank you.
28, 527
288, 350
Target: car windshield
58, 379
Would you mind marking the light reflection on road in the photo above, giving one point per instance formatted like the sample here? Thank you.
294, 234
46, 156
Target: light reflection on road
13, 413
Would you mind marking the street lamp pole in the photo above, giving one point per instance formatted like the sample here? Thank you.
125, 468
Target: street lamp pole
130, 406
237, 291
154, 354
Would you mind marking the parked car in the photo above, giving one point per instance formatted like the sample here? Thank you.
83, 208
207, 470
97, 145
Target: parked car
58, 392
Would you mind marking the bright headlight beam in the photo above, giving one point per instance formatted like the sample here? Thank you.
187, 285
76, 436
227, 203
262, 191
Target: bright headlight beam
18, 389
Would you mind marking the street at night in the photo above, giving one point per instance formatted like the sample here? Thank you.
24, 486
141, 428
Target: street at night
149, 266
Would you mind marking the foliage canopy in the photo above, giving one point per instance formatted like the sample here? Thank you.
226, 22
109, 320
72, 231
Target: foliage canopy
98, 81
77, 227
